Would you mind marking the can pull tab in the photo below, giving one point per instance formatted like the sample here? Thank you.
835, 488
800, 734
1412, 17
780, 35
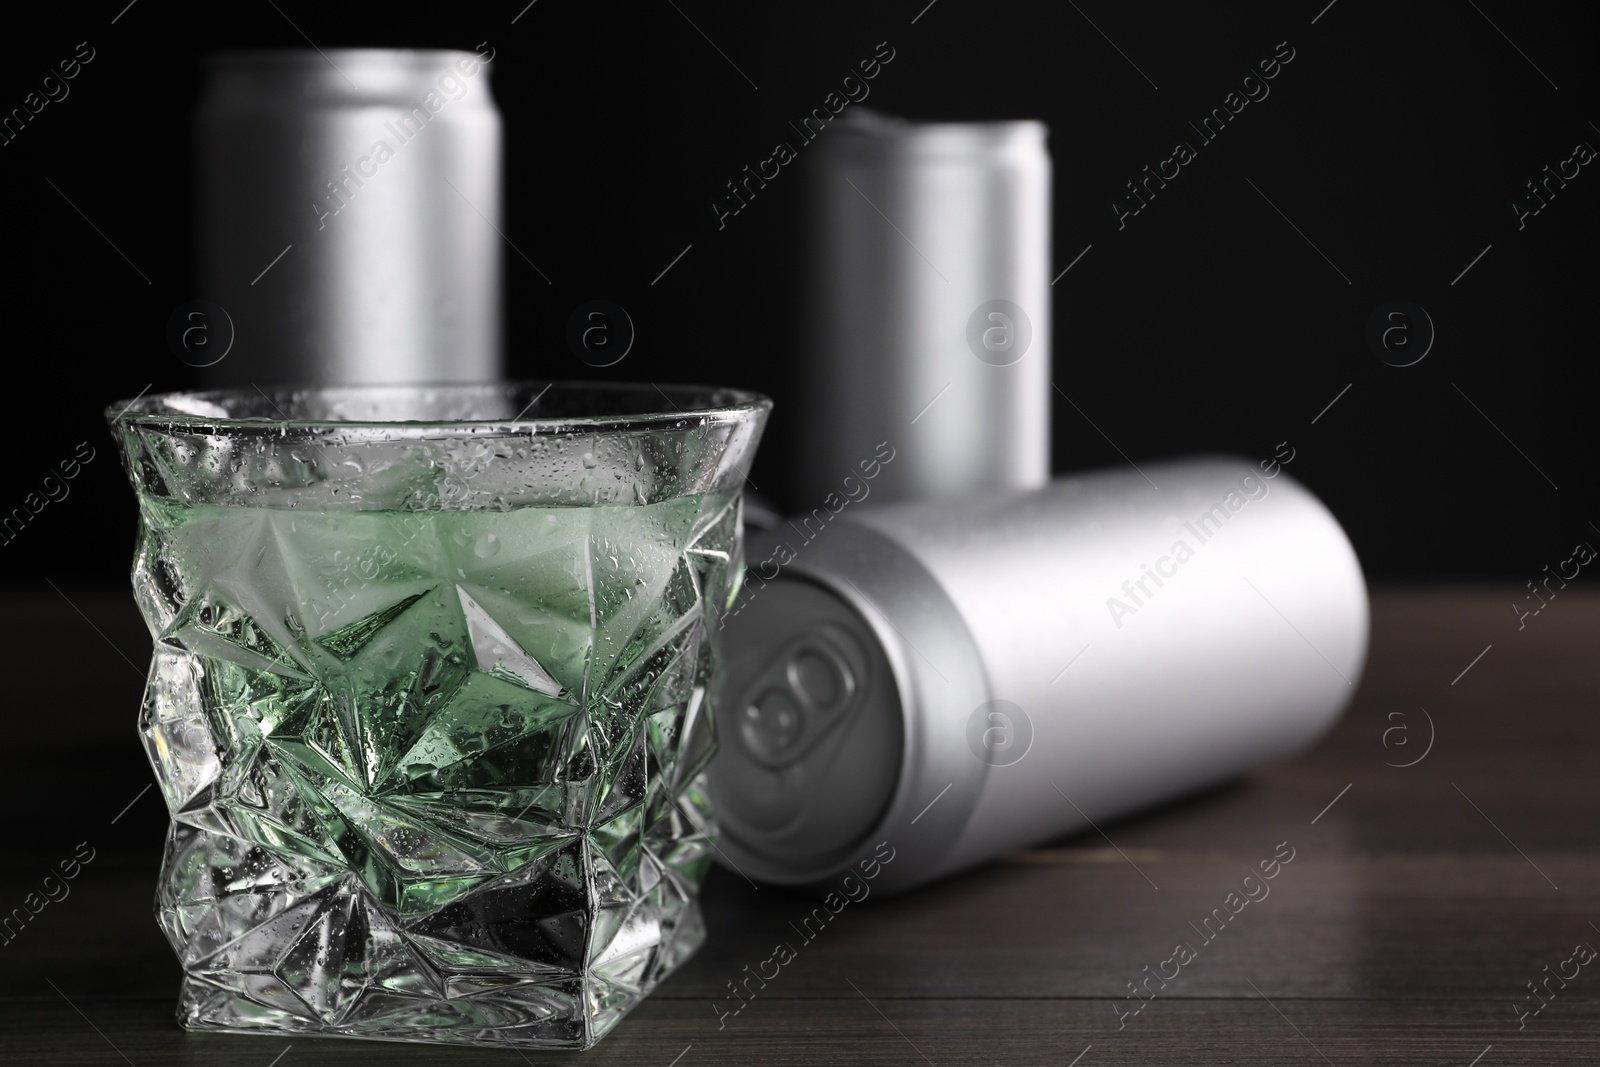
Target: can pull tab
806, 692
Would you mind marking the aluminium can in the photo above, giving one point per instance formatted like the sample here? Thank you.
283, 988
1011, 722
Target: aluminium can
925, 306
348, 213
959, 678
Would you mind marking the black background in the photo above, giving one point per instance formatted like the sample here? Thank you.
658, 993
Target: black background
1395, 141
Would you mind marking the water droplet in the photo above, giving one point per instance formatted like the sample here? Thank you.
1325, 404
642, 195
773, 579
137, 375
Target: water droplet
488, 545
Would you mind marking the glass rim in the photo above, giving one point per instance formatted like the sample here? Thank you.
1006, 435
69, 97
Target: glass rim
164, 412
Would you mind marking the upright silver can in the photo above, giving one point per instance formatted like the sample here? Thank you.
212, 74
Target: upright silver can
348, 207
955, 679
926, 314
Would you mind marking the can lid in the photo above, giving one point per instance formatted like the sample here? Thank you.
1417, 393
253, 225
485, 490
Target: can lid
849, 680
810, 731
863, 131
263, 79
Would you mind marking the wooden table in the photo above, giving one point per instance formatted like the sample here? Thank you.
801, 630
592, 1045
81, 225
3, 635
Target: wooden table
1420, 902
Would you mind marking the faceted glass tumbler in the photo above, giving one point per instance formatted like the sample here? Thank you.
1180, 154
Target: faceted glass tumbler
431, 697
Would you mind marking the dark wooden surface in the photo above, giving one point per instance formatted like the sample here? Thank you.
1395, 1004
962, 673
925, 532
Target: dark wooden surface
1414, 913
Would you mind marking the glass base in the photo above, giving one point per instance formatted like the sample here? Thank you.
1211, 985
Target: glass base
551, 955
522, 1012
